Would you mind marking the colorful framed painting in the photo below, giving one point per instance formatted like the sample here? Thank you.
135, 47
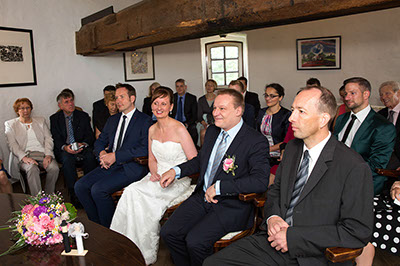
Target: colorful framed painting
17, 58
319, 53
139, 64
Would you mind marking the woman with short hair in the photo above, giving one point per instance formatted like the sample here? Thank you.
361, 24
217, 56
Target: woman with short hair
29, 139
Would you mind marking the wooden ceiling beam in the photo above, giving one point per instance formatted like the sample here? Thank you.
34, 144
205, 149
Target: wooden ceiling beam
155, 22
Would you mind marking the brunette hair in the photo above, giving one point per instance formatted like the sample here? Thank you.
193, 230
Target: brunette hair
162, 92
20, 101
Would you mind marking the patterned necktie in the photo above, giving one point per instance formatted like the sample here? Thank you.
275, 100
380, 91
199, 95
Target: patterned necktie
71, 137
121, 133
218, 157
298, 186
348, 128
391, 113
180, 109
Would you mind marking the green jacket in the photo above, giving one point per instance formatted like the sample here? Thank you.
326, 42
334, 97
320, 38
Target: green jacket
374, 141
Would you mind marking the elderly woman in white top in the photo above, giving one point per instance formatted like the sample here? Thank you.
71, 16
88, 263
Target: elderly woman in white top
29, 139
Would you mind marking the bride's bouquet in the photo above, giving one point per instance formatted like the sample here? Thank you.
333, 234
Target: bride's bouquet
38, 223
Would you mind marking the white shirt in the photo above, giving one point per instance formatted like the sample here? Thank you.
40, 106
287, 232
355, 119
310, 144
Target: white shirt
396, 110
314, 153
127, 120
32, 143
360, 117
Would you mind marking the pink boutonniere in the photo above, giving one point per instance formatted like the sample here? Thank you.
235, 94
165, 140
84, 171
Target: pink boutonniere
229, 165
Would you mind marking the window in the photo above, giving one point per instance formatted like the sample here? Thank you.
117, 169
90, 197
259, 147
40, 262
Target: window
224, 61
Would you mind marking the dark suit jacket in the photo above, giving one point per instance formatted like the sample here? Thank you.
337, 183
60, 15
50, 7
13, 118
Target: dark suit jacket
384, 112
250, 149
374, 141
147, 106
190, 108
252, 98
81, 125
248, 115
135, 143
335, 207
280, 123
100, 114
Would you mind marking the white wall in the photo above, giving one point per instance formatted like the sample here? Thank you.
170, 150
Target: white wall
370, 48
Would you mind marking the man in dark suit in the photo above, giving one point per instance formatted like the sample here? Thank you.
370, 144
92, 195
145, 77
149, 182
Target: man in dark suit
390, 96
250, 97
185, 108
233, 160
248, 114
67, 127
365, 131
321, 197
124, 137
100, 110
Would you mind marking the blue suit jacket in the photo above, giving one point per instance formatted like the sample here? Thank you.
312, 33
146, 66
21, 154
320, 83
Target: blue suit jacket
374, 141
135, 143
250, 149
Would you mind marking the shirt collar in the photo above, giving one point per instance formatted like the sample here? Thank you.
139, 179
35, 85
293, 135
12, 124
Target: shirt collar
130, 114
362, 114
71, 115
315, 151
396, 108
233, 131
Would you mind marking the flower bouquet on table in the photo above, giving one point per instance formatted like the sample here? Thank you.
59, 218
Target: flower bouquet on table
38, 222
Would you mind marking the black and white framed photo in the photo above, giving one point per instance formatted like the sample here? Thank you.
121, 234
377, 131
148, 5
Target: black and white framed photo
319, 53
139, 64
17, 58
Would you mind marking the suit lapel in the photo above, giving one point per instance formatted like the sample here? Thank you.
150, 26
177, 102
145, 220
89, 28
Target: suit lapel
293, 173
320, 168
233, 147
62, 125
115, 127
208, 149
339, 126
365, 126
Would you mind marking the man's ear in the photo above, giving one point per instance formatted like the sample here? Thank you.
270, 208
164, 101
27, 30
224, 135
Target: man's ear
325, 117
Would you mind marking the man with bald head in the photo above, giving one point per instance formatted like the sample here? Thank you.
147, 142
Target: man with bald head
322, 195
390, 96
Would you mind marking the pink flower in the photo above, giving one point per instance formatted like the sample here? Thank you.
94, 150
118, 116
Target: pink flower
57, 238
38, 228
44, 221
51, 225
228, 164
27, 209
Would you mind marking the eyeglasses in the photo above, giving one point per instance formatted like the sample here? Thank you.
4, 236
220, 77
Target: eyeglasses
270, 96
25, 108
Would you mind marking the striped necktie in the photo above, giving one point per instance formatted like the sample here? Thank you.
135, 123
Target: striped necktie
218, 157
71, 137
301, 179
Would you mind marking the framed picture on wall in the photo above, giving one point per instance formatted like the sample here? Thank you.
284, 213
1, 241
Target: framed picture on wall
319, 53
17, 58
139, 64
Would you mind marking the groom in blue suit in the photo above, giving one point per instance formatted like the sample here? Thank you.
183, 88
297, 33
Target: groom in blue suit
124, 137
214, 209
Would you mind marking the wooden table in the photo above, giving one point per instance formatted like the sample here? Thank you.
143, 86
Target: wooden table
105, 246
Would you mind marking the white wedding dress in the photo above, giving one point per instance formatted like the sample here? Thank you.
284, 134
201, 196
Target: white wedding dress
144, 202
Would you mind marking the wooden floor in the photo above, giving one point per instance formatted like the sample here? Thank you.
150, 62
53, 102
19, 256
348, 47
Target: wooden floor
382, 258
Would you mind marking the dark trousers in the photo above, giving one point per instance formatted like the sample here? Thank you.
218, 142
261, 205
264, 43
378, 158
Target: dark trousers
253, 250
69, 161
191, 231
94, 191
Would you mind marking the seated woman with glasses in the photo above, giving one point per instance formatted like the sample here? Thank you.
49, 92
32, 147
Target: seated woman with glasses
29, 139
273, 121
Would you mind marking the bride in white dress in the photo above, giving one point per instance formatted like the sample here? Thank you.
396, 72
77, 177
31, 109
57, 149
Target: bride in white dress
143, 203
